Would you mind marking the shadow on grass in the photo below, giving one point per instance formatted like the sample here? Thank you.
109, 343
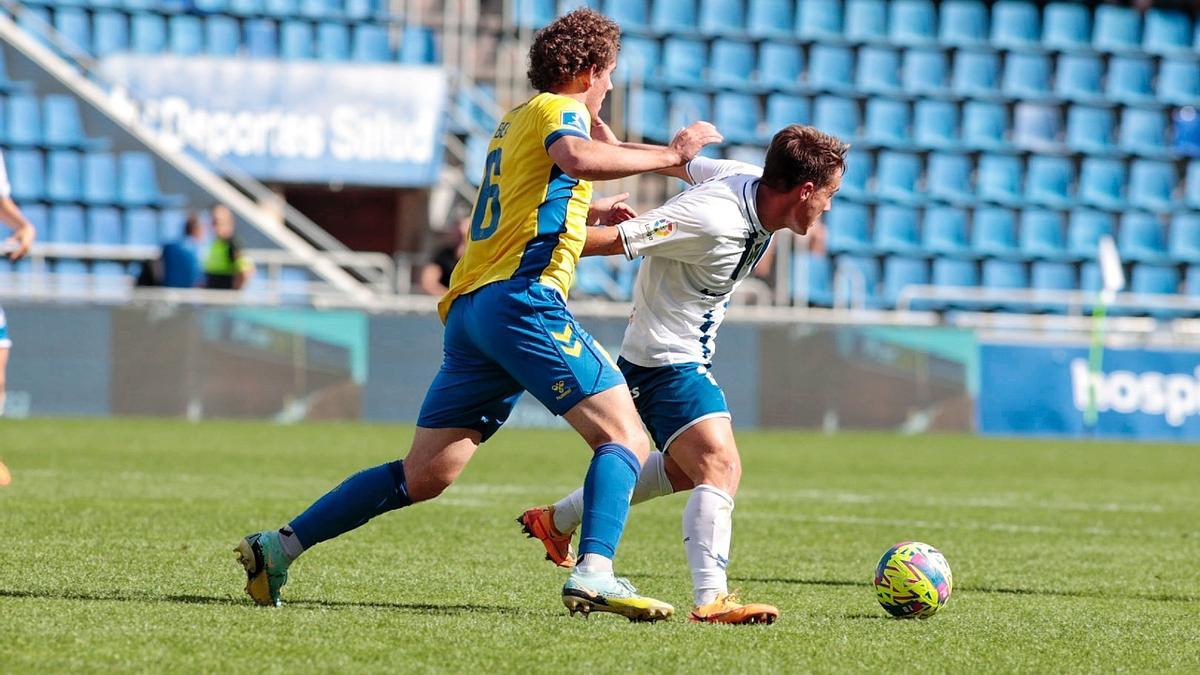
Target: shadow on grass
1152, 597
133, 596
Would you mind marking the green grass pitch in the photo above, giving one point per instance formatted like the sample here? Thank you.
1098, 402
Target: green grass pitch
116, 538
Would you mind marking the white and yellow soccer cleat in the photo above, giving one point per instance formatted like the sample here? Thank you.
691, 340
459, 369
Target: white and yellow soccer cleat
604, 592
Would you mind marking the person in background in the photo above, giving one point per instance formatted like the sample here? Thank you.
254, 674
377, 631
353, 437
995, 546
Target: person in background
23, 234
225, 266
179, 265
435, 274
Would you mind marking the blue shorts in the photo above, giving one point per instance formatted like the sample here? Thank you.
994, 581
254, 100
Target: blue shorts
670, 399
5, 343
509, 337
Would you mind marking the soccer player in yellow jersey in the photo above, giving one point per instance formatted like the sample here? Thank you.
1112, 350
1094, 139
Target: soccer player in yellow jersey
508, 329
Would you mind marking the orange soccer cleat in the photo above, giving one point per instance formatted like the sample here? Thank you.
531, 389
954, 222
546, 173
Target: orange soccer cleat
538, 523
726, 609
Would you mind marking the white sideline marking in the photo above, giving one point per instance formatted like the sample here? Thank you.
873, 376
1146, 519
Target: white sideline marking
1008, 528
1004, 501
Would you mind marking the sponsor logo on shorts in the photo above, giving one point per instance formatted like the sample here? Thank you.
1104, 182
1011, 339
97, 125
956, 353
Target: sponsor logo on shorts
561, 389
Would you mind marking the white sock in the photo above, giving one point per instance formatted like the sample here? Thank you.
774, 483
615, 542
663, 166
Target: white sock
594, 563
707, 530
652, 482
291, 545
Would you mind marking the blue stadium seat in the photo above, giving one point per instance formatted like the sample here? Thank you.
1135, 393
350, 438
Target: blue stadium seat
1078, 77
865, 20
110, 275
1151, 184
221, 36
848, 228
637, 61
722, 17
737, 116
72, 25
1068, 26
104, 227
71, 273
780, 65
1036, 127
1129, 79
830, 68
26, 175
684, 61
878, 70
1101, 182
771, 18
211, 6
534, 13
1089, 129
949, 177
1015, 24
1026, 75
732, 64
1143, 132
1154, 279
944, 232
1140, 238
148, 34
185, 35
856, 279
994, 233
170, 223
100, 178
975, 73
952, 273
964, 23
647, 115
674, 16
333, 42
629, 14
110, 33
137, 182
418, 45
261, 40
1185, 238
1084, 230
911, 22
859, 168
1167, 32
369, 43
887, 122
328, 9
686, 107
998, 179
896, 230
1052, 276
594, 277
749, 154
812, 278
1042, 235
899, 273
1117, 29
24, 118
66, 224
783, 110
1006, 275
142, 228
63, 125
1048, 180
246, 7
1191, 190
935, 124
837, 116
36, 21
818, 19
1191, 283
38, 216
296, 40
1179, 81
64, 176
924, 71
1089, 277
281, 9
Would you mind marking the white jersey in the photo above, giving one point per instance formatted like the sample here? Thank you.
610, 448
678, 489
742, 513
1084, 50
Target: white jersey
698, 248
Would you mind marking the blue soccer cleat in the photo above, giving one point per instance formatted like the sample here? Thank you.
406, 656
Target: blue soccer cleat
266, 565
604, 592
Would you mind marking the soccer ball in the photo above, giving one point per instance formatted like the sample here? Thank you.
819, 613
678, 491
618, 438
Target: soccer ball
913, 580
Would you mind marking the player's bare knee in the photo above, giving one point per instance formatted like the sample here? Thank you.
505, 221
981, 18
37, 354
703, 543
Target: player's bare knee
720, 466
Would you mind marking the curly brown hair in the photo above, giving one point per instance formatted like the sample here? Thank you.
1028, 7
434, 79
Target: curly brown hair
799, 154
572, 44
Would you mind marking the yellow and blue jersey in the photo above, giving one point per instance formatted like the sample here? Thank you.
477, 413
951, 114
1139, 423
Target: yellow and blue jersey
530, 218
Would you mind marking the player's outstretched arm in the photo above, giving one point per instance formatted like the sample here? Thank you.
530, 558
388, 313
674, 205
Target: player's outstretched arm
588, 159
23, 231
603, 132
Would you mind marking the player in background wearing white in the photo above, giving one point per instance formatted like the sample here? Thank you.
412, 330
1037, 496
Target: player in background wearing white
698, 248
17, 246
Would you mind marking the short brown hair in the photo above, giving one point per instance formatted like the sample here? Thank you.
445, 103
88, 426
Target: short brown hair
572, 44
799, 154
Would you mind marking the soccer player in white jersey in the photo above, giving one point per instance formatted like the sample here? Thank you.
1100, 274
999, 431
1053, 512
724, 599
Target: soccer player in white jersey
17, 246
698, 248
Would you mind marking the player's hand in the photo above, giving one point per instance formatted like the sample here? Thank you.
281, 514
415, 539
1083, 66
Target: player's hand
603, 133
689, 141
21, 241
611, 210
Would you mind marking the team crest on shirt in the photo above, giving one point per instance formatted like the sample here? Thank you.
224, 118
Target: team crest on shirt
658, 230
571, 118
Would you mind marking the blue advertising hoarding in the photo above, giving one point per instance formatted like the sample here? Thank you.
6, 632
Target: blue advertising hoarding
295, 121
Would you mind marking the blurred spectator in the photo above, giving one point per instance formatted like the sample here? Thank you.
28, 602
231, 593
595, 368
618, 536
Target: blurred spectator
435, 275
226, 266
181, 258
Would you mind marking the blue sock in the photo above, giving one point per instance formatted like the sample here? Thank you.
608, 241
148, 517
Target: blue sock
358, 499
606, 493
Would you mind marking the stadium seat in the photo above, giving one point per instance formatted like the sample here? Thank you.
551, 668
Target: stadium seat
1036, 127
281, 9
1191, 282
995, 233
1048, 180
749, 154
36, 21
1140, 238
855, 280
684, 61
1129, 79
369, 43
1089, 130
1015, 24
629, 14
221, 36
1143, 132
71, 274
261, 40
878, 70
686, 107
812, 278
998, 179
296, 40
534, 13
1084, 230
1052, 276
66, 224
818, 19
1117, 29
333, 42
638, 59
1041, 235
328, 9
935, 124
1005, 275
1026, 75
64, 176
185, 35
170, 223
1185, 238
848, 228
674, 16
830, 68
1167, 32
100, 178
949, 177
110, 275
1154, 279
737, 116
72, 25
148, 34
911, 22
859, 168
418, 45
246, 7
783, 110
865, 20
211, 6
924, 71
104, 228
770, 18
899, 273
953, 273
732, 64
26, 175
887, 122
1191, 189
38, 216
1078, 77
24, 120
779, 65
837, 116
944, 232
964, 23
142, 228
1151, 184
897, 176
722, 17
896, 230
63, 125
110, 33
137, 183
1068, 25
975, 73
1101, 182
647, 116
1179, 81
